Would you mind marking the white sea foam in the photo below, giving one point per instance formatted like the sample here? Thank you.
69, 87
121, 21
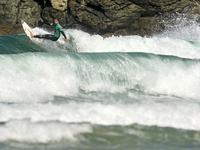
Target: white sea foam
181, 115
29, 132
156, 45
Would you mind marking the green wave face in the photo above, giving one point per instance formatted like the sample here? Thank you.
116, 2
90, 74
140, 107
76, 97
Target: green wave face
97, 72
16, 44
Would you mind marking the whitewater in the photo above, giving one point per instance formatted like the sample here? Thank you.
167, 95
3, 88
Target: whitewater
126, 92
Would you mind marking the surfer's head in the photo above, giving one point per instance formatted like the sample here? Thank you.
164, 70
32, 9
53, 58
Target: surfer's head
56, 21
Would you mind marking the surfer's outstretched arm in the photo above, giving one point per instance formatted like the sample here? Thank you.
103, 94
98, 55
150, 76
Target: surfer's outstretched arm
63, 33
47, 23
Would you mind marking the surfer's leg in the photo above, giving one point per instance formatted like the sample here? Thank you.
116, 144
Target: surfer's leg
47, 36
52, 38
39, 36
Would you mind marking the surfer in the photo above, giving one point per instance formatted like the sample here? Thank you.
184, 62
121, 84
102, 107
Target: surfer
58, 30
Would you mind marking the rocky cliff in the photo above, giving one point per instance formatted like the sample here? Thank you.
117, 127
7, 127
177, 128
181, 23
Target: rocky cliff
104, 17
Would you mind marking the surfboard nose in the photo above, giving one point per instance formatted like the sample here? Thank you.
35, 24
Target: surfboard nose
22, 21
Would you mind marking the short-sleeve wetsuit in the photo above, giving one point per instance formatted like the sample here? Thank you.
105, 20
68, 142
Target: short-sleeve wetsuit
55, 37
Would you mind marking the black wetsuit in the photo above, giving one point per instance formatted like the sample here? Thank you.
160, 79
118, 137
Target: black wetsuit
47, 36
51, 37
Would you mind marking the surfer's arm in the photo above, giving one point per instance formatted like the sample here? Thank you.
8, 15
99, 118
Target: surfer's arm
63, 34
47, 23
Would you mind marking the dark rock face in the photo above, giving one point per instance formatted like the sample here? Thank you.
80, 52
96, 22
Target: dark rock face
12, 11
8, 11
29, 10
49, 13
117, 17
104, 17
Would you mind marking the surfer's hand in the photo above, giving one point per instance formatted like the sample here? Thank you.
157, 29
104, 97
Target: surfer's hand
66, 40
41, 20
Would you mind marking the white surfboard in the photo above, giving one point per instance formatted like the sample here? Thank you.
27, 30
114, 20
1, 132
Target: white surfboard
27, 29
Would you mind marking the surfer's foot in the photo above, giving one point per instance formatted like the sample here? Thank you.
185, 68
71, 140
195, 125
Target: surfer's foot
32, 35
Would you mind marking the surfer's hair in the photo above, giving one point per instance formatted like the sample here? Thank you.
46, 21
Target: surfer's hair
56, 19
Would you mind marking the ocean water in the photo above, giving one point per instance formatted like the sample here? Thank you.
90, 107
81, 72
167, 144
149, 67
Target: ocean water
94, 93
